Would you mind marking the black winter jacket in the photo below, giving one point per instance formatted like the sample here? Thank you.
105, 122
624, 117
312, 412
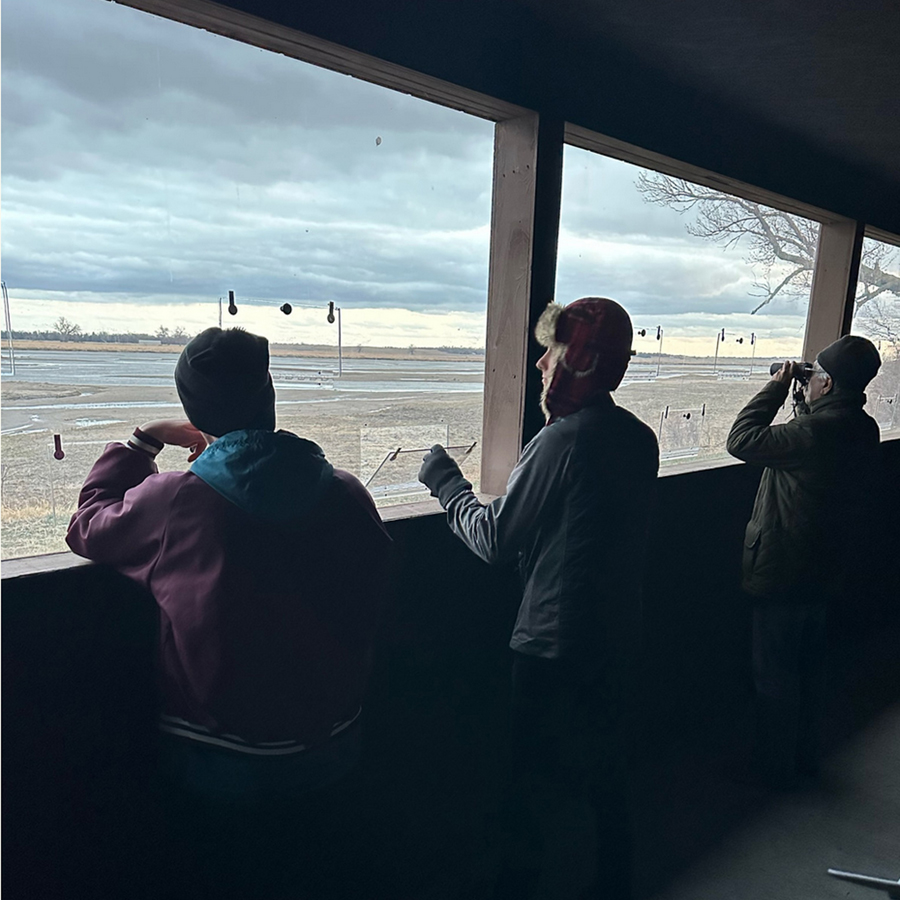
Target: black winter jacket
810, 513
575, 514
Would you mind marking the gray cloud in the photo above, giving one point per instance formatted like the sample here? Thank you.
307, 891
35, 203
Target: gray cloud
164, 160
146, 158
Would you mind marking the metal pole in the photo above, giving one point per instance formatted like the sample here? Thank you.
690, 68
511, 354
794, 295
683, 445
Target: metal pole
659, 335
340, 351
720, 336
52, 491
9, 337
220, 312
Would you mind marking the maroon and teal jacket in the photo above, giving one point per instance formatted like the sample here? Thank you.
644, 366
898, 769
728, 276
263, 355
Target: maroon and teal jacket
269, 567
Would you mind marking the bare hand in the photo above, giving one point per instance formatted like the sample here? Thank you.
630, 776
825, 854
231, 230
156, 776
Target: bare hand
179, 433
785, 375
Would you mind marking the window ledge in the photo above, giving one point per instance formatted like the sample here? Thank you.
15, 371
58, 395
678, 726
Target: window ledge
689, 466
427, 507
40, 565
412, 510
25, 566
57, 562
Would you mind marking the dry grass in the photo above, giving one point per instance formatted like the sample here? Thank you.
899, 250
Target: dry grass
39, 493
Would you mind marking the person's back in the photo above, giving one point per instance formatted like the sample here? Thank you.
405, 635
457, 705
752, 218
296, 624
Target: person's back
269, 568
575, 514
579, 566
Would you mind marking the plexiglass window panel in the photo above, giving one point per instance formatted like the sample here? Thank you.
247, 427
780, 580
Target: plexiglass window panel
158, 178
877, 317
717, 288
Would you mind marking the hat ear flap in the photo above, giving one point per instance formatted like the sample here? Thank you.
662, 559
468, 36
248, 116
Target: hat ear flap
545, 330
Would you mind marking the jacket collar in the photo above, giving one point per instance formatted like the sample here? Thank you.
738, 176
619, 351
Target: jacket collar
600, 400
838, 400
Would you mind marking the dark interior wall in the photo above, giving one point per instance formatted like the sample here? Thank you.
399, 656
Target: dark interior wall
510, 51
79, 701
78, 693
71, 637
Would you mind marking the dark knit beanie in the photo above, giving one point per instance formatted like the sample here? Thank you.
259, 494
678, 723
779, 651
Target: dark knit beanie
224, 383
852, 362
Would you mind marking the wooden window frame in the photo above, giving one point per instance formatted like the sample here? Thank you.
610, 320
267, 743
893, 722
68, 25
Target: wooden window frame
515, 207
836, 267
527, 191
267, 35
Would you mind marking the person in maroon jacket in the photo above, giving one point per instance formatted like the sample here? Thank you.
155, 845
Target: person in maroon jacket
269, 567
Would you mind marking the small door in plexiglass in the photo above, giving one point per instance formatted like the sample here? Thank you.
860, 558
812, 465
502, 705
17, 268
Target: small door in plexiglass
680, 432
390, 459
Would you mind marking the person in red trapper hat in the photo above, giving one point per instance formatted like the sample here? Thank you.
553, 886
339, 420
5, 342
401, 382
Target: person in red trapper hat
575, 516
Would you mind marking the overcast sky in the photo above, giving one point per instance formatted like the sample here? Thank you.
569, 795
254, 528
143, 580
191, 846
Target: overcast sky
148, 168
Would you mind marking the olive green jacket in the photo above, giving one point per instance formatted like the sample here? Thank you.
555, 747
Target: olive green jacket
810, 513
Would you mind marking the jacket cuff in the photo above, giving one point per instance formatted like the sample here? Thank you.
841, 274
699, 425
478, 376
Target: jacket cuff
145, 443
452, 488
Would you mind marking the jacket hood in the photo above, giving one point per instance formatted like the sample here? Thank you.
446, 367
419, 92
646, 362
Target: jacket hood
273, 475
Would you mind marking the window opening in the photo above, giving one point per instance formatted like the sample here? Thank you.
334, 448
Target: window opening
876, 316
159, 179
717, 287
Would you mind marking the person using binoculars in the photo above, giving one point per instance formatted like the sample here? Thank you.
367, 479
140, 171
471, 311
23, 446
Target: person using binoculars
809, 514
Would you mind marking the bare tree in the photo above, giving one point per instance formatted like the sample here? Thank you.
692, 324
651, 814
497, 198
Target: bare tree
879, 318
777, 242
66, 328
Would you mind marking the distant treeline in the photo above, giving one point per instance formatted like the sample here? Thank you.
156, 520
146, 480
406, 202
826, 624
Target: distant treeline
102, 337
462, 351
179, 336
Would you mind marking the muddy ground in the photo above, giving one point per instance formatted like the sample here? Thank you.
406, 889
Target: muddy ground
360, 434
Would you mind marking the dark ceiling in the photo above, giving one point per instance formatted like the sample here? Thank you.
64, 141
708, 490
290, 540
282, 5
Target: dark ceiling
801, 97
827, 70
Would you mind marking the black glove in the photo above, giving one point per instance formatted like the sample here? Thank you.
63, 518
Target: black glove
441, 475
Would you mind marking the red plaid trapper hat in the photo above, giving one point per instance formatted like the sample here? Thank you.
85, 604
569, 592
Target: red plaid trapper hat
592, 338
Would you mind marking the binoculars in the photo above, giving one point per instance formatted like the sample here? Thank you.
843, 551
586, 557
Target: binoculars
801, 371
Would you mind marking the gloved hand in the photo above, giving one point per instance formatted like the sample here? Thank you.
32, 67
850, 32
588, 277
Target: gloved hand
441, 475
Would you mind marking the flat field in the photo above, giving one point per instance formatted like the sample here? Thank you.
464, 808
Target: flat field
361, 419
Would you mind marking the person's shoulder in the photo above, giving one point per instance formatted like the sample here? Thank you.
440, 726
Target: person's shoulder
628, 421
602, 419
173, 491
351, 484
358, 498
554, 439
172, 482
848, 418
184, 488
629, 431
863, 430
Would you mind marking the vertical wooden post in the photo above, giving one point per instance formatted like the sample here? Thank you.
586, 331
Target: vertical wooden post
833, 290
547, 201
524, 232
